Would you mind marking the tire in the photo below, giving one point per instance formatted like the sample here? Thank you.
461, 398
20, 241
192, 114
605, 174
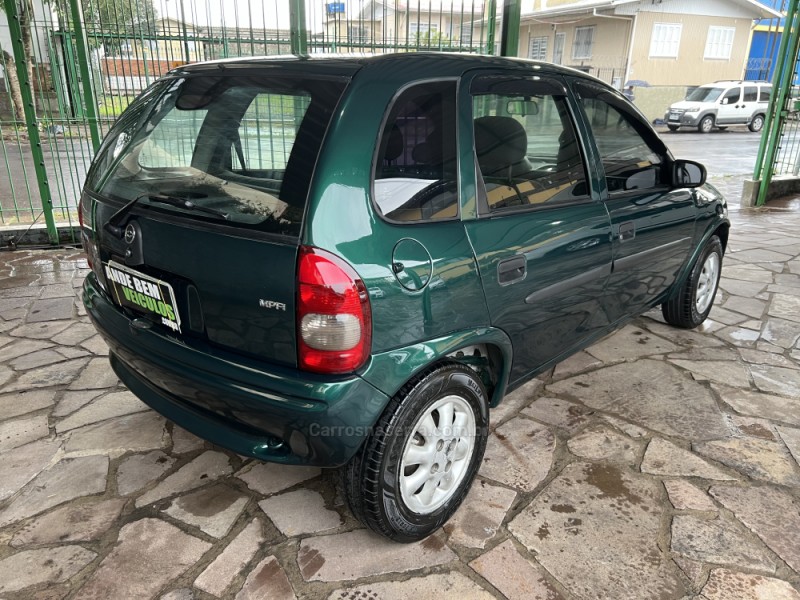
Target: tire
398, 483
673, 127
690, 306
756, 124
706, 124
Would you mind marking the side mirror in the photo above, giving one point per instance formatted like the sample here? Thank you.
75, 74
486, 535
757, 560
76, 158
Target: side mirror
688, 173
724, 100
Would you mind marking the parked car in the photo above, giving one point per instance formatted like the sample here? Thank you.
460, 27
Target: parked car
347, 262
721, 104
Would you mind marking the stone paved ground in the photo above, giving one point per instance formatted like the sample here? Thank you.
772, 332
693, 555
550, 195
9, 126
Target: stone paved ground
657, 464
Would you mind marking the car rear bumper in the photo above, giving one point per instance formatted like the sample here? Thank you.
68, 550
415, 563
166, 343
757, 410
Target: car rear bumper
271, 413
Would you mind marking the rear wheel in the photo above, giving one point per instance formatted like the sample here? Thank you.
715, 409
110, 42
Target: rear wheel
690, 306
757, 124
706, 124
673, 127
417, 466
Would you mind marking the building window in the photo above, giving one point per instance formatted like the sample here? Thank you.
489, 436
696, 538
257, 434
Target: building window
415, 28
584, 40
538, 48
466, 34
719, 42
666, 40
357, 35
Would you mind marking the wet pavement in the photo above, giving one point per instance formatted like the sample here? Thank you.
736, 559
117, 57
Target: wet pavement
658, 463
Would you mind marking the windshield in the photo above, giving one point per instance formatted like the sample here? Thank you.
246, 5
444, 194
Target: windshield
704, 94
240, 149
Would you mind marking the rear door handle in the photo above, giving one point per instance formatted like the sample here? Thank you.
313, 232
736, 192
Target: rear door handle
627, 231
512, 269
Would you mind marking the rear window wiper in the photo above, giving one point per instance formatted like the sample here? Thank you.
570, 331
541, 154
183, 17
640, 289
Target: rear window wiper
113, 227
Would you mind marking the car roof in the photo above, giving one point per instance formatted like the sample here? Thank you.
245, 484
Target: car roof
350, 63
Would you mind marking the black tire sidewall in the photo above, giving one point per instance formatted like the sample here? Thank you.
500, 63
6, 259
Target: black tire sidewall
454, 381
713, 246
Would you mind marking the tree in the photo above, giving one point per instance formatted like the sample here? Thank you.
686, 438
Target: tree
129, 17
25, 14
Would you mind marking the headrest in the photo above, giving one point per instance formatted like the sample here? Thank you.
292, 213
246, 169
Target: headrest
394, 144
499, 142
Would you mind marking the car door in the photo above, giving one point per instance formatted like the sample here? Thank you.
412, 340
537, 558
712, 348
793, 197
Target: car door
652, 225
542, 241
730, 107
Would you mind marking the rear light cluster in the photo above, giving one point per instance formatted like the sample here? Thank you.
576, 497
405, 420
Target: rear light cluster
334, 320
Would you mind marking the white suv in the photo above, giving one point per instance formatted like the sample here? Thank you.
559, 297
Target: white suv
720, 104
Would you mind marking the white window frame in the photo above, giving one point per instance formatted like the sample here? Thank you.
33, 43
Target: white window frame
719, 43
559, 58
416, 27
665, 40
583, 50
537, 47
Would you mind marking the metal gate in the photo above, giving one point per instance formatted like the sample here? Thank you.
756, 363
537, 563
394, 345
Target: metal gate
779, 152
70, 67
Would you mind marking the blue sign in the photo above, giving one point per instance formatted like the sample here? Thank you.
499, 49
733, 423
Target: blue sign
335, 7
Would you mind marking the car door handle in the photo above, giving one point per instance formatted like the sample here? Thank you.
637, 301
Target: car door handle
627, 231
512, 269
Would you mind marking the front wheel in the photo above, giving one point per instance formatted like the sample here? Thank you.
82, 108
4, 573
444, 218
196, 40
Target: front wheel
706, 124
417, 466
756, 124
673, 127
690, 306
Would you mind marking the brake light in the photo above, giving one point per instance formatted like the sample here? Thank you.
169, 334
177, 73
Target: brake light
334, 319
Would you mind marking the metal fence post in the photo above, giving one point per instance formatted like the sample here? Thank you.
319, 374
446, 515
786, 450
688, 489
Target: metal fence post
781, 84
20, 60
85, 64
509, 40
298, 36
491, 22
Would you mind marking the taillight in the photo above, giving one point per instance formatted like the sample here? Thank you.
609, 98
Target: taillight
334, 320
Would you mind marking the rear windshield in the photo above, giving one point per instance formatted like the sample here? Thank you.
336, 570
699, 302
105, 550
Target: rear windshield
230, 148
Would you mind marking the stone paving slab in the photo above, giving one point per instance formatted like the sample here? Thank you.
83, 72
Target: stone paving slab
658, 463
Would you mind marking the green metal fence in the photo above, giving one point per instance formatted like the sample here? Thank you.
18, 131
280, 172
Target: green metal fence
79, 63
779, 152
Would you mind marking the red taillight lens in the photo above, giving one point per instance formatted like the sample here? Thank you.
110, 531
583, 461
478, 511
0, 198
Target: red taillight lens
334, 321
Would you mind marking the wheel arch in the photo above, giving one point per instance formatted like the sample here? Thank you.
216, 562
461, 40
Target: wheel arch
721, 229
391, 370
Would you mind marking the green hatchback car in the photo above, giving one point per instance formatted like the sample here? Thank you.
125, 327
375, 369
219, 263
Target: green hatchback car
348, 261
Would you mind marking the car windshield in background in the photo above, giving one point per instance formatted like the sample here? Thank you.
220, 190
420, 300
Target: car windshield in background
231, 148
704, 94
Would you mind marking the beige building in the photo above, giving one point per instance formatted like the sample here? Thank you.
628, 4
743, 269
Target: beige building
672, 45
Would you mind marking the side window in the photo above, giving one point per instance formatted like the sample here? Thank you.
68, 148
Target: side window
631, 154
416, 171
751, 93
764, 93
732, 96
525, 144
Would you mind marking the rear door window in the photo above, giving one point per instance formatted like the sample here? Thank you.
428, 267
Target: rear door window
240, 150
526, 146
750, 93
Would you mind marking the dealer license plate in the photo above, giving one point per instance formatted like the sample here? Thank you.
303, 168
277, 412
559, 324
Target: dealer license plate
143, 294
